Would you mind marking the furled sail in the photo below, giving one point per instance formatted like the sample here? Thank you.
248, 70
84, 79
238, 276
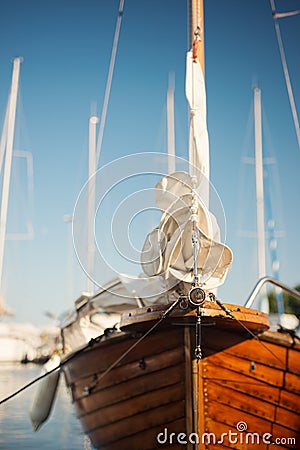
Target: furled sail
171, 250
196, 97
168, 249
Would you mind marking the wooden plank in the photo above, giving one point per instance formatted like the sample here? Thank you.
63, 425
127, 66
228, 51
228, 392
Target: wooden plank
240, 382
292, 383
152, 438
260, 372
130, 426
102, 355
133, 406
224, 395
229, 437
294, 361
132, 388
230, 416
264, 353
130, 371
288, 419
290, 400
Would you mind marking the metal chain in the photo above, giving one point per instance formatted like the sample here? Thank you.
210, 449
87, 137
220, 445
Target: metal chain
198, 350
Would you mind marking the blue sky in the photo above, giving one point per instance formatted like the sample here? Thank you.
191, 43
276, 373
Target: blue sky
66, 48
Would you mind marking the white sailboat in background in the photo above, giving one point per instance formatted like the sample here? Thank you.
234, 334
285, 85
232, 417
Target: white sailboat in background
19, 342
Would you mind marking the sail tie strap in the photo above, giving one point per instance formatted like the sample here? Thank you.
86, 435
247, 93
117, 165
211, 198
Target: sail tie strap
195, 49
196, 43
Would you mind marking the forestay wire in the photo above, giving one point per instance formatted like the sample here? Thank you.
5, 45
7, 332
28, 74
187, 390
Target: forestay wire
284, 64
109, 80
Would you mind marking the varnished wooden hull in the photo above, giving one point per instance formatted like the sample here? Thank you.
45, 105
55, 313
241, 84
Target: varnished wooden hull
246, 384
146, 391
158, 394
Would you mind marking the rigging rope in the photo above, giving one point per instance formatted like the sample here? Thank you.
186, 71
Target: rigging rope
109, 80
285, 67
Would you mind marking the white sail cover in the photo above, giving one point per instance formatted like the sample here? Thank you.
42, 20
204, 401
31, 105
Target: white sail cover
196, 97
168, 249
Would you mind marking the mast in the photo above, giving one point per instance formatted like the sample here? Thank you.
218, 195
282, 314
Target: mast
11, 117
259, 177
91, 200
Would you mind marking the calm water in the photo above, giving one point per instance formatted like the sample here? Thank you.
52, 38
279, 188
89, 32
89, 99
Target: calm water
62, 431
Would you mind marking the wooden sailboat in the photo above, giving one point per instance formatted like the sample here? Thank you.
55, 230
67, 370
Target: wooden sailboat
186, 370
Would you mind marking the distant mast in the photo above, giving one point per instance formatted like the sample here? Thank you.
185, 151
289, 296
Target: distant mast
8, 149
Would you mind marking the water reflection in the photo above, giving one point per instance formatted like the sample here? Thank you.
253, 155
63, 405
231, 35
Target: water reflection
61, 432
